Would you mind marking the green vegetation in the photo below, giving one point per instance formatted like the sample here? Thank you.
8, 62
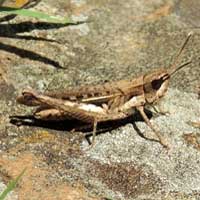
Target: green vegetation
35, 14
11, 185
31, 13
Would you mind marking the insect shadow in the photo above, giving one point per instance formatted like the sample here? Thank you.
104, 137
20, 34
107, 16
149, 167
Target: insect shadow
76, 125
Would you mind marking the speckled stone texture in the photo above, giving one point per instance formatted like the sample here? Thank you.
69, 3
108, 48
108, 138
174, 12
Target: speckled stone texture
119, 40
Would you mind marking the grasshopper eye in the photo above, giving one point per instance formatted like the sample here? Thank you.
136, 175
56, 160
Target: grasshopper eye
156, 84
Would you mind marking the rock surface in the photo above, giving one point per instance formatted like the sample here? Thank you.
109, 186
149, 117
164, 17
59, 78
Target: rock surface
119, 40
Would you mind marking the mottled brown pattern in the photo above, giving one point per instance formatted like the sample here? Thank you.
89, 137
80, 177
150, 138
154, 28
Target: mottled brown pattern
107, 102
126, 178
99, 94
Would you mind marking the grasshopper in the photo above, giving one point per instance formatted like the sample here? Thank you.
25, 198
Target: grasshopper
106, 102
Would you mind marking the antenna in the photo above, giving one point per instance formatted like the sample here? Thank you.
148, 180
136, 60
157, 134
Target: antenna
173, 68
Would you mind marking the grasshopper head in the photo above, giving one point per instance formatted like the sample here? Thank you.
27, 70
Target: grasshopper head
155, 85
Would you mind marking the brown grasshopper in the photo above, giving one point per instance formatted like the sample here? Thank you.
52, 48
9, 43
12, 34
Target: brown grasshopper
107, 102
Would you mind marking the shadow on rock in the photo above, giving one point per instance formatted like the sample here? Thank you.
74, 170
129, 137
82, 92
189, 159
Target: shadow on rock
76, 125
